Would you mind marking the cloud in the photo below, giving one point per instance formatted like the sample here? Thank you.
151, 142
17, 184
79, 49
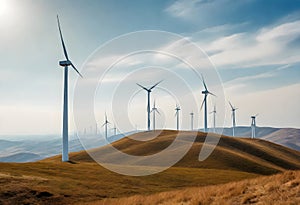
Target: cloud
268, 46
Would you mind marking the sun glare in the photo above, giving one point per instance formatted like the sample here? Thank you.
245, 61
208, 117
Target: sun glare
4, 7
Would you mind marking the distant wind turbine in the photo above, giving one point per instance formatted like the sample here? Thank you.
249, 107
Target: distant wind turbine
192, 120
105, 124
253, 125
148, 105
115, 130
154, 110
214, 112
177, 115
66, 63
205, 93
233, 109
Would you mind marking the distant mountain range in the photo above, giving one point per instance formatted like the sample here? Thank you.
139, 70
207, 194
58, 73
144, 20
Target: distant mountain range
28, 150
289, 137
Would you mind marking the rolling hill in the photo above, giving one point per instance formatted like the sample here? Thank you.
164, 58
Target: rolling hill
83, 180
282, 188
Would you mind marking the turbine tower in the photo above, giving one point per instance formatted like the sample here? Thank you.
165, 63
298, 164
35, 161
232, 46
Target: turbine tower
148, 105
205, 93
192, 120
233, 109
105, 124
154, 109
253, 125
65, 64
214, 112
177, 115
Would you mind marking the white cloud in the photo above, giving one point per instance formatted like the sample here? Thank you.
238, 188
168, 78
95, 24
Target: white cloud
269, 46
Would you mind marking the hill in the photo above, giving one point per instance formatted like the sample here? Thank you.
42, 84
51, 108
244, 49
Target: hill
288, 137
83, 180
241, 154
20, 157
277, 189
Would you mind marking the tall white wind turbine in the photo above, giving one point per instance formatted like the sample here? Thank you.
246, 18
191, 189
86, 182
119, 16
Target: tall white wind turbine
205, 93
214, 112
253, 125
148, 104
192, 120
233, 109
177, 116
154, 110
65, 64
106, 122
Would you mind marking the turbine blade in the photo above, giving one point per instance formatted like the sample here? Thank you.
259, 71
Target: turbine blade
155, 85
158, 112
143, 87
203, 82
203, 103
230, 105
62, 40
212, 94
76, 70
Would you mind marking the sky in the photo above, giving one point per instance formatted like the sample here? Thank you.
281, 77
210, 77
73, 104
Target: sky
254, 46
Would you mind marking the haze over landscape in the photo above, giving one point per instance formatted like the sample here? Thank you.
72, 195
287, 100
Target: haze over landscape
150, 102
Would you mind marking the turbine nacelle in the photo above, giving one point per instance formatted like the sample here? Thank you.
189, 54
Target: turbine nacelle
65, 63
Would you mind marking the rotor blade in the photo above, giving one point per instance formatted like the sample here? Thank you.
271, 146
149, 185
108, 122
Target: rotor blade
158, 111
202, 103
230, 105
76, 70
203, 82
256, 114
212, 94
62, 40
155, 85
143, 87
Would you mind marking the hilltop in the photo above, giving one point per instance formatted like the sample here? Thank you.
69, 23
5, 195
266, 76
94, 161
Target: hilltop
83, 180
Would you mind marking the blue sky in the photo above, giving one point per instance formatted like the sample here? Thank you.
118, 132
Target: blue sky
254, 45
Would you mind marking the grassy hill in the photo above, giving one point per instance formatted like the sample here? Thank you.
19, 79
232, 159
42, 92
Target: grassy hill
276, 189
83, 180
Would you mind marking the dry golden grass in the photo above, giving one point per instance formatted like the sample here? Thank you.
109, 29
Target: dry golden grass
277, 189
52, 182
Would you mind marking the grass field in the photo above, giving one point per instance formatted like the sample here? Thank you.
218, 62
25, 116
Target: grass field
83, 180
277, 189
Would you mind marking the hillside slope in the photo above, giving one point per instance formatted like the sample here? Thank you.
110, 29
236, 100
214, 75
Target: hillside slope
278, 189
241, 154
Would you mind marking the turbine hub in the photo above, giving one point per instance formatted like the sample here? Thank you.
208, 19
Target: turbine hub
65, 63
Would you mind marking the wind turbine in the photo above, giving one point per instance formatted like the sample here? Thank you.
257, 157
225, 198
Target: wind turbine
233, 109
177, 115
192, 120
66, 63
105, 124
154, 109
214, 112
148, 105
253, 125
205, 93
115, 130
